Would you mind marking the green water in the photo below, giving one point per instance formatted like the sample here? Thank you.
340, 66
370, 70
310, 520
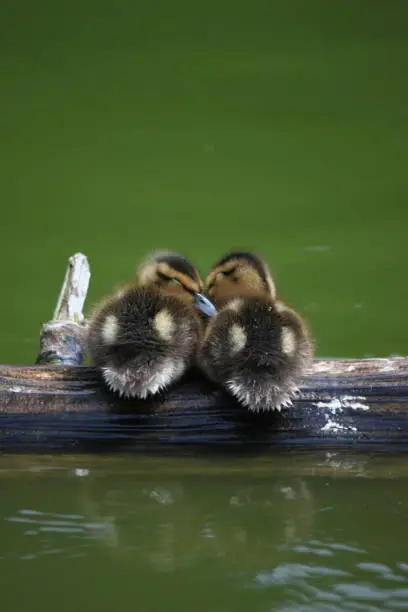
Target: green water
275, 125
308, 533
280, 126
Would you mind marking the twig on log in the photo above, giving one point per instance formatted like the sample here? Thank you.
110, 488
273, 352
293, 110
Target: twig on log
74, 290
62, 338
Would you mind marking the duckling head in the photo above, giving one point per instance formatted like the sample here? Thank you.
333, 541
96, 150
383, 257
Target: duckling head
174, 275
239, 274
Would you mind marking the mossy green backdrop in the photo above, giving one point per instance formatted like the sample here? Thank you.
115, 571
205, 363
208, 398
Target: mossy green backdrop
275, 125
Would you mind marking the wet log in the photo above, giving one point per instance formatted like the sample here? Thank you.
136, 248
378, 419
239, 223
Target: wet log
60, 405
342, 402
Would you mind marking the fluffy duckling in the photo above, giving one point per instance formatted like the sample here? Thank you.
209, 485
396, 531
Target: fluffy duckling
145, 336
256, 346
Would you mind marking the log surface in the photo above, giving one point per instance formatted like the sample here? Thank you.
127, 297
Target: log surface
67, 408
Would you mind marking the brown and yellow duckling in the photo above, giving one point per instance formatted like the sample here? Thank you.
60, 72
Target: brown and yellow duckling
256, 347
145, 336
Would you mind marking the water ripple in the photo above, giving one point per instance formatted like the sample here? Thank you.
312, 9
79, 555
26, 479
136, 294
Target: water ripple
75, 527
367, 586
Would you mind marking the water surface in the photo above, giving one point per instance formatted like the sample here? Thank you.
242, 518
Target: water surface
300, 532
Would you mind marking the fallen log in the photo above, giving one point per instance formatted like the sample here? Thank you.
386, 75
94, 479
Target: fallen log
66, 406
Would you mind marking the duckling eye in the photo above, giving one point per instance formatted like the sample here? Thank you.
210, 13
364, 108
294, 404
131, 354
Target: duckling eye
226, 274
171, 280
229, 272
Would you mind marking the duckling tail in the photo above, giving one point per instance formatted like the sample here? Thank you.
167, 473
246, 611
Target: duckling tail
145, 380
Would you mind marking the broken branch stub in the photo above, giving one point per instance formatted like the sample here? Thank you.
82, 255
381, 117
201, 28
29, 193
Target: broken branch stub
62, 338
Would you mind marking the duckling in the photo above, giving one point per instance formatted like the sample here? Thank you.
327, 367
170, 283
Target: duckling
144, 336
256, 347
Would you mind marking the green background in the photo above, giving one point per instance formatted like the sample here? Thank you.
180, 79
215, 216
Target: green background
280, 126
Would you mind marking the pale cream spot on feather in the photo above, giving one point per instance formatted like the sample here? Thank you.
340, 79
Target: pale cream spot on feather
288, 339
110, 329
147, 275
271, 285
280, 307
238, 338
120, 293
235, 304
164, 324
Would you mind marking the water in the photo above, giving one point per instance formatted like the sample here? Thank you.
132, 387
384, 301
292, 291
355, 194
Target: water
308, 532
276, 125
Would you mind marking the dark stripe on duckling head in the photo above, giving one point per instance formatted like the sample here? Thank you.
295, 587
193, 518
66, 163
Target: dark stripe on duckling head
180, 264
233, 265
250, 258
167, 266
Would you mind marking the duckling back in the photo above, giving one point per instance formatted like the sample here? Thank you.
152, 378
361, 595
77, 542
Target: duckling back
142, 340
257, 349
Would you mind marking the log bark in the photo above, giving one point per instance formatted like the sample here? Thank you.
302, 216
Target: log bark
52, 408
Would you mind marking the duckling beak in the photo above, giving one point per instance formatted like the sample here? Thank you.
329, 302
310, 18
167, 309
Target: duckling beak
204, 305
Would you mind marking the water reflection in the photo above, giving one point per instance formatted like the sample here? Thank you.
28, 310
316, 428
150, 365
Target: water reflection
36, 524
259, 542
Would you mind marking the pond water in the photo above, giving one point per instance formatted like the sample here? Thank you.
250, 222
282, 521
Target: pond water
275, 125
306, 532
